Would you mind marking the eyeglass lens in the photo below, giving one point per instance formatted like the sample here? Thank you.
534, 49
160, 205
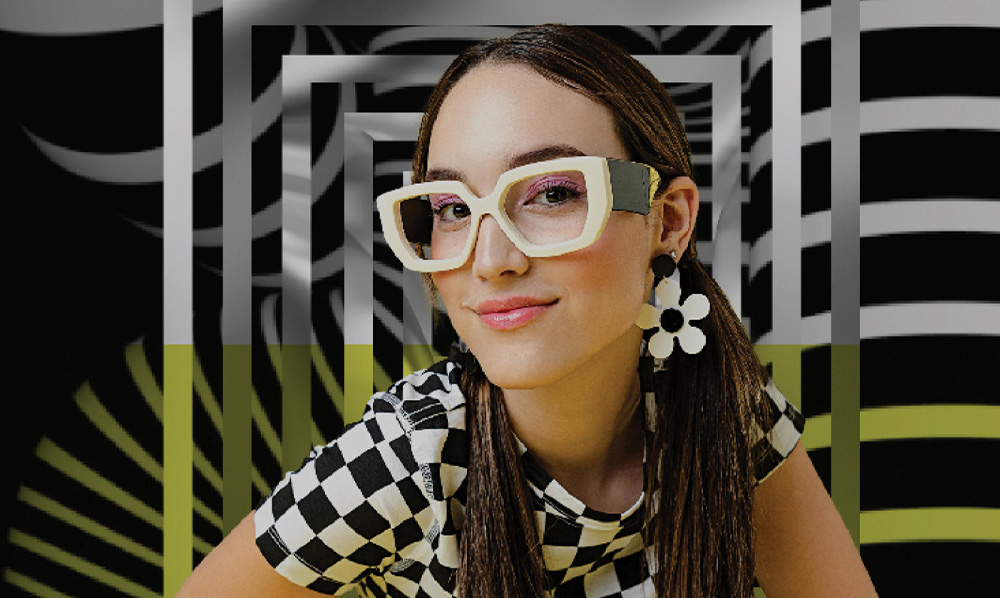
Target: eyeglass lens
546, 209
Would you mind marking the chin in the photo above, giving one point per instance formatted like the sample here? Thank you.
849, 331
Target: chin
515, 369
548, 356
509, 380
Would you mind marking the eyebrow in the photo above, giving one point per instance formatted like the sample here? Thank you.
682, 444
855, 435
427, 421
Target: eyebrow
549, 152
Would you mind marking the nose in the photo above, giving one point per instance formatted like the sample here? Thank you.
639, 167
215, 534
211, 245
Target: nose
494, 254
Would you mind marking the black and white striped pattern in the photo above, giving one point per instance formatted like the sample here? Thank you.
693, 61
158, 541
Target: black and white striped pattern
83, 170
930, 203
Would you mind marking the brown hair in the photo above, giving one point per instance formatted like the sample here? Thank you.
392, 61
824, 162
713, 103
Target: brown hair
698, 468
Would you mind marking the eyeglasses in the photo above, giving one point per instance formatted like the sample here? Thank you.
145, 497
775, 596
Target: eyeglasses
545, 208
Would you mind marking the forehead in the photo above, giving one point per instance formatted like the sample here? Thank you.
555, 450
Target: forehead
496, 113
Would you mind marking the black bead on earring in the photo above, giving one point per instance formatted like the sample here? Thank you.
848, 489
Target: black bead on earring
663, 267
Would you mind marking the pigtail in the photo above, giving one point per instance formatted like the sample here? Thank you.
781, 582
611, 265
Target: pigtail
501, 552
699, 498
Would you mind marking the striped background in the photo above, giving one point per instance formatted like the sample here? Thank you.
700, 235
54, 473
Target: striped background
202, 256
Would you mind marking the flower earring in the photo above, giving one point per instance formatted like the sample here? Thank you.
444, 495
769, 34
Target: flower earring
673, 318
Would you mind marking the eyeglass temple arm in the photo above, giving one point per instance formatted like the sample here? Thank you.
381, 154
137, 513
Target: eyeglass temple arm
631, 186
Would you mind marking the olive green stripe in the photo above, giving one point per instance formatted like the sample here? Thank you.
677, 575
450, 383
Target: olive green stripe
817, 432
786, 366
277, 363
206, 396
359, 373
95, 411
178, 461
330, 384
930, 421
90, 404
296, 412
237, 442
381, 380
258, 481
315, 438
31, 586
419, 357
75, 469
263, 424
54, 509
80, 565
199, 507
142, 375
845, 435
207, 470
930, 525
912, 422
202, 546
58, 458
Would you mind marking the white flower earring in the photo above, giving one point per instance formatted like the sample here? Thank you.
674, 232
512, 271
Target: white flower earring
673, 319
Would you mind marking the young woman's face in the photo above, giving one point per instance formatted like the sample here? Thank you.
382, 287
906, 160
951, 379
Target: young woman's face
534, 321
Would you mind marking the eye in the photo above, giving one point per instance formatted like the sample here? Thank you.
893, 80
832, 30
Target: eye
454, 211
554, 195
450, 208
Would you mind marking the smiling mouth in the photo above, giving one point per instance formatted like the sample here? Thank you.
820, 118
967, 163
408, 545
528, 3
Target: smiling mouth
511, 314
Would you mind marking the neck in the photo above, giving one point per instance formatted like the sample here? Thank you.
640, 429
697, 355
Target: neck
585, 429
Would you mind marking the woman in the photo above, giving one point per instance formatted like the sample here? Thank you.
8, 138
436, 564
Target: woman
572, 448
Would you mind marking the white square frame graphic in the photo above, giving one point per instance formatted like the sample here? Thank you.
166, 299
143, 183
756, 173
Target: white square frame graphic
722, 72
782, 17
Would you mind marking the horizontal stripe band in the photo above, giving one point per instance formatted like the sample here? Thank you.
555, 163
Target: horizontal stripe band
930, 525
930, 421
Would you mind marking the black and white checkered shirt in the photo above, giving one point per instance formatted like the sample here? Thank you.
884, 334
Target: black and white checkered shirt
379, 508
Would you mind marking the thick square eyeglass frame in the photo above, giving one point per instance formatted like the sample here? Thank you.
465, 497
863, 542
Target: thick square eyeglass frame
611, 185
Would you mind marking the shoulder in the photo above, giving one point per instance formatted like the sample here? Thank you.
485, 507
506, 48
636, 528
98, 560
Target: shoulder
777, 434
374, 494
430, 407
425, 399
418, 422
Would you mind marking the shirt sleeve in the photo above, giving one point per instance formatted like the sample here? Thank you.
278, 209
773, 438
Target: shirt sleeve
348, 510
784, 426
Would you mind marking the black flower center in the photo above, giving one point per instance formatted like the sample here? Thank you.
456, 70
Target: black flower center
671, 319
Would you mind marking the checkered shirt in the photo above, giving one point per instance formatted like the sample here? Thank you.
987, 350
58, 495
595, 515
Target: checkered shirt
379, 508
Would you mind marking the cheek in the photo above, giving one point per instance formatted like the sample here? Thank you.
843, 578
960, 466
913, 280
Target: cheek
445, 285
615, 268
452, 289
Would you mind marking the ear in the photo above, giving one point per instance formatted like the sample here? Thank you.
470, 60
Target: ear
676, 210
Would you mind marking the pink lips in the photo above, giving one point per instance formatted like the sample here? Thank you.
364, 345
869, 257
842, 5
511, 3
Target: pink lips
511, 312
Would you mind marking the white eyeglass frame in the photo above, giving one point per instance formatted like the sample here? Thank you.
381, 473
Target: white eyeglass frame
597, 172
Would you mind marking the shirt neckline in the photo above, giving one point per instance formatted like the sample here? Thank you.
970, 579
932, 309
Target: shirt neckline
561, 503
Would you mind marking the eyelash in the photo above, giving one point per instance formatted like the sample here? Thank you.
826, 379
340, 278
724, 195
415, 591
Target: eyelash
543, 186
443, 203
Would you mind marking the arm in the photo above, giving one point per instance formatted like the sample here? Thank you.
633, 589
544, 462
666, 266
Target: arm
326, 526
802, 547
236, 568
